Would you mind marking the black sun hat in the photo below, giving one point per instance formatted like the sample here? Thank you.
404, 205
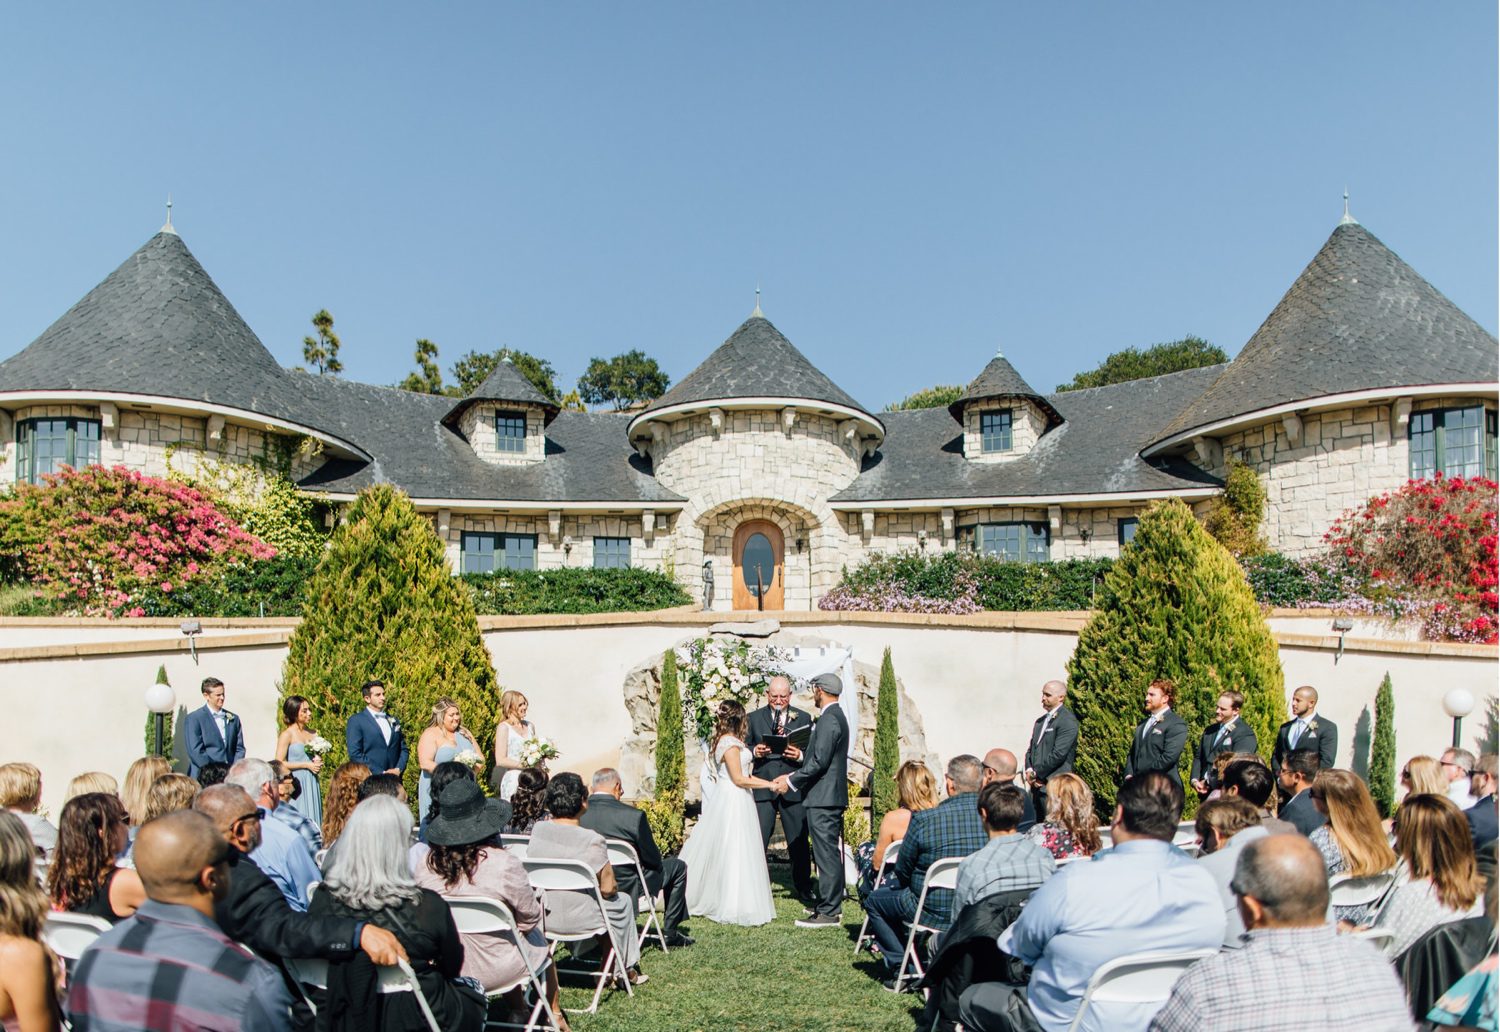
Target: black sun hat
466, 816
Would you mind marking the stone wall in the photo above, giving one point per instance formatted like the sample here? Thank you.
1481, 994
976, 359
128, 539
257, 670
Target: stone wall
477, 424
905, 530
573, 544
1027, 424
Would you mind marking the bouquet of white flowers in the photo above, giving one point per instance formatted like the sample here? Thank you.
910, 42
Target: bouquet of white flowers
469, 758
711, 670
537, 749
319, 746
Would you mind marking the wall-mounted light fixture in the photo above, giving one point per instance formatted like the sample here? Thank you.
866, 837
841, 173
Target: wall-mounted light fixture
1343, 626
192, 628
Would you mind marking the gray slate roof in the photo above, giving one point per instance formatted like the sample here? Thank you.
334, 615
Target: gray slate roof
1357, 318
999, 379
159, 325
755, 362
1095, 451
588, 457
506, 384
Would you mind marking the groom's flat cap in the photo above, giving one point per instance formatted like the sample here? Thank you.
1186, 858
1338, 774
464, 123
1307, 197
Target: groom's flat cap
830, 683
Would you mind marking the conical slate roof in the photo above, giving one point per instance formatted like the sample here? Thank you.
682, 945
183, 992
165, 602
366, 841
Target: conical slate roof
505, 384
999, 379
158, 325
1357, 318
755, 362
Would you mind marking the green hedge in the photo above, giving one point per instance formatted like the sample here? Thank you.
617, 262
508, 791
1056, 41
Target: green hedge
579, 590
271, 587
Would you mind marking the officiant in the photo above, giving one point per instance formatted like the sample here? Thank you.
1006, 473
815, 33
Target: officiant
774, 728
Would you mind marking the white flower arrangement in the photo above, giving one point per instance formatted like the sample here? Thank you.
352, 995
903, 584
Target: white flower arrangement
319, 746
536, 749
469, 758
711, 670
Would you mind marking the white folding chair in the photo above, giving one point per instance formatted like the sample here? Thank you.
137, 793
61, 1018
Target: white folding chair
943, 874
313, 971
1136, 978
576, 876
1380, 938
1186, 836
70, 934
623, 854
479, 915
886, 862
319, 857
1106, 838
1345, 890
516, 845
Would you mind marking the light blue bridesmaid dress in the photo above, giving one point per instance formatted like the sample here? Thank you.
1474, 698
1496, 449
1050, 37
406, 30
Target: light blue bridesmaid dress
309, 801
424, 784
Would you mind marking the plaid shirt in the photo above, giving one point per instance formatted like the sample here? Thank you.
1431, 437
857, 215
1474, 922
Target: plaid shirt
951, 828
1243, 990
169, 968
1005, 864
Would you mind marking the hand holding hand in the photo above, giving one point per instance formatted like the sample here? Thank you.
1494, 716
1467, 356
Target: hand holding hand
781, 786
792, 753
762, 751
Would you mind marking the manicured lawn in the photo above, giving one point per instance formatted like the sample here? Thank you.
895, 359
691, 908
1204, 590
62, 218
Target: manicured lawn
776, 976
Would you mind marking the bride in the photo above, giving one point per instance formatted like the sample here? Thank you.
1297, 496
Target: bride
726, 860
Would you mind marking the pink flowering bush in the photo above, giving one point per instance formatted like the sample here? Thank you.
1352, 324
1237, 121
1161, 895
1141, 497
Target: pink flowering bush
97, 540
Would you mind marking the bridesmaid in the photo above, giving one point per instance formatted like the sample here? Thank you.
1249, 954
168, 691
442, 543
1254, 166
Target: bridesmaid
444, 738
510, 733
291, 749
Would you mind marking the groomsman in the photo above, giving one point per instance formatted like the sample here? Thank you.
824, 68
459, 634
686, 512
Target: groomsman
374, 736
214, 735
1230, 734
1158, 741
1307, 730
1053, 745
779, 717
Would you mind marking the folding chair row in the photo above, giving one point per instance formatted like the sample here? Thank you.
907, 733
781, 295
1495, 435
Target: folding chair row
556, 875
398, 979
476, 915
943, 874
886, 863
623, 854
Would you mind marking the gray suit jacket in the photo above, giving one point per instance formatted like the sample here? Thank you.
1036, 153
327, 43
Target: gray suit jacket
824, 777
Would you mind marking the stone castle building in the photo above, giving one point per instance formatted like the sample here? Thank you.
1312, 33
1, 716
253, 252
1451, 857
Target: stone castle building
756, 478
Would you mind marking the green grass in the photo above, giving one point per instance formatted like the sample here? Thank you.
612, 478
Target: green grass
761, 979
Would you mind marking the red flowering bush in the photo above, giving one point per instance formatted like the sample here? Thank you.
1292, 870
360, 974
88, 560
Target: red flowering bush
1433, 540
95, 539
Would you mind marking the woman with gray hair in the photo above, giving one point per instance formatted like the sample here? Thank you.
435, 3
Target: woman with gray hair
368, 879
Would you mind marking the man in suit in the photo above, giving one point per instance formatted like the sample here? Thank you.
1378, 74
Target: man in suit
1298, 769
1482, 815
1307, 730
1000, 769
1158, 741
214, 735
613, 818
373, 736
779, 717
1053, 745
1230, 734
823, 782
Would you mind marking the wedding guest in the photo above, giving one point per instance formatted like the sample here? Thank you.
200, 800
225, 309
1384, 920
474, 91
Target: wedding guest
212, 774
1298, 768
1000, 769
212, 733
90, 782
442, 776
1071, 828
1306, 730
1009, 861
170, 966
464, 859
373, 736
21, 794
368, 880
282, 854
83, 877
528, 802
1225, 826
1353, 841
1158, 740
343, 796
1441, 881
778, 718
1423, 775
28, 970
1457, 766
1482, 816
444, 738
1048, 757
286, 813
294, 748
916, 790
1229, 734
562, 838
510, 735
138, 781
1250, 779
383, 785
169, 793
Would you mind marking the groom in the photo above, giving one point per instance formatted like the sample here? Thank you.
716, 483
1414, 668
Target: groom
823, 782
779, 717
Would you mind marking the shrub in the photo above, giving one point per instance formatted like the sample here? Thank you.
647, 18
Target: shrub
964, 582
270, 587
665, 818
1280, 580
573, 590
856, 819
96, 538
1234, 517
1177, 606
282, 516
383, 605
665, 812
1383, 750
887, 758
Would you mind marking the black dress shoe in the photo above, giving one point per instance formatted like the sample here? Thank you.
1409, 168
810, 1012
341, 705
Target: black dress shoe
678, 939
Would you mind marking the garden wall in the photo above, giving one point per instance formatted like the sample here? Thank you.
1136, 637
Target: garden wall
73, 688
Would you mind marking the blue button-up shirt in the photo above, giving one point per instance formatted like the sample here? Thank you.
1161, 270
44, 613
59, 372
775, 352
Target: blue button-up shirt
1141, 896
286, 860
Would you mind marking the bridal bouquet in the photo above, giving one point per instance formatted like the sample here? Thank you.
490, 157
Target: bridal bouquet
536, 749
711, 670
319, 746
469, 758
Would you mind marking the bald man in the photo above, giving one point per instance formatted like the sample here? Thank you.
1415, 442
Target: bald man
1053, 744
1000, 769
169, 966
1307, 730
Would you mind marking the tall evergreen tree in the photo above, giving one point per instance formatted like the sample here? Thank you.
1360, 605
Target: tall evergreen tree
665, 811
885, 795
1383, 750
1133, 364
322, 352
622, 381
383, 604
1174, 605
428, 379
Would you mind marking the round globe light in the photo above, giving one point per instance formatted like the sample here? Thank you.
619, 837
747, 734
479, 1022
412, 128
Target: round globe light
1458, 703
160, 698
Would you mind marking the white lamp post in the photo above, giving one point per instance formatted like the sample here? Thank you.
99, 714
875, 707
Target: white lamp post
160, 700
1458, 703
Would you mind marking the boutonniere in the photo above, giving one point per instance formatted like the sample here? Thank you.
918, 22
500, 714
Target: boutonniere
229, 716
395, 725
1312, 728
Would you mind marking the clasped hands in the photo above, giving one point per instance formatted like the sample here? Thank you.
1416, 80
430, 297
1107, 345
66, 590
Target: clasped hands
782, 785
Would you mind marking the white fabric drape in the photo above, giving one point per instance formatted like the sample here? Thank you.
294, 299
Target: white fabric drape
807, 663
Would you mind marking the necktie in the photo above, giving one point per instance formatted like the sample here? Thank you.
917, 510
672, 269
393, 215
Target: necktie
1150, 723
1046, 721
1219, 738
1296, 733
781, 722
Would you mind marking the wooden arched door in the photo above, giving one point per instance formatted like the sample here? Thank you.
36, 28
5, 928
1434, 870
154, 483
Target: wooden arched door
758, 554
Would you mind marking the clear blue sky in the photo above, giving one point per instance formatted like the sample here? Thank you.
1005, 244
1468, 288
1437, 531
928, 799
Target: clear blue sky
912, 184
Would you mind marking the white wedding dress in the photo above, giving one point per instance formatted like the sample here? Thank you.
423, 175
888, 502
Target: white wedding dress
726, 861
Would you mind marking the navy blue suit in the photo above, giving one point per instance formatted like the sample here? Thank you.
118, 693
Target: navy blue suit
368, 746
204, 745
1482, 822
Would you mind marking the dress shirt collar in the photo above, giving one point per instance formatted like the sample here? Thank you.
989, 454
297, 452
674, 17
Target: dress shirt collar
176, 913
1143, 846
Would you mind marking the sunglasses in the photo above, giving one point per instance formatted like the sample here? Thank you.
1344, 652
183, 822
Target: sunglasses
257, 814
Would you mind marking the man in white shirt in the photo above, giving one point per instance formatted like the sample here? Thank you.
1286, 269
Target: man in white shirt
1458, 766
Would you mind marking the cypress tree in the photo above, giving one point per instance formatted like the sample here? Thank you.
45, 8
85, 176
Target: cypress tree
887, 759
1174, 605
665, 811
1383, 750
166, 724
384, 605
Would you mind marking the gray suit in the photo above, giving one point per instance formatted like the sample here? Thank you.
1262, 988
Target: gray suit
824, 784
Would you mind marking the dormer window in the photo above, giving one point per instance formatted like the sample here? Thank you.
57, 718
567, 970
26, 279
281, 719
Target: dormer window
510, 431
994, 431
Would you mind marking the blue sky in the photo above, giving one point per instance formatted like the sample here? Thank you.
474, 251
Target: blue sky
912, 185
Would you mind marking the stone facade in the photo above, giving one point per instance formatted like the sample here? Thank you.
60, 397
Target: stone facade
1027, 424
477, 424
562, 539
